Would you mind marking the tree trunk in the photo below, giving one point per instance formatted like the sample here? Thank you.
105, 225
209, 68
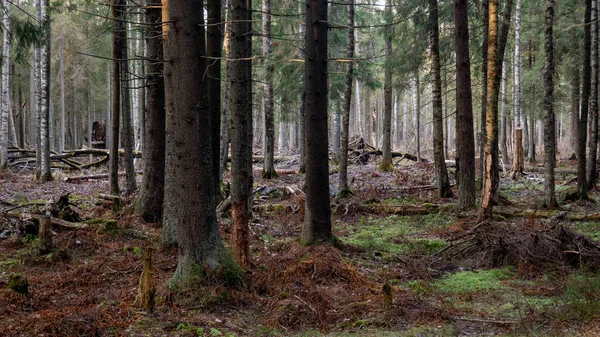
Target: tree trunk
46, 173
214, 49
489, 193
5, 106
386, 162
585, 94
503, 115
485, 4
61, 74
225, 114
149, 203
269, 148
417, 113
337, 133
130, 183
115, 109
592, 173
465, 143
574, 111
317, 220
241, 130
189, 183
549, 121
343, 182
441, 173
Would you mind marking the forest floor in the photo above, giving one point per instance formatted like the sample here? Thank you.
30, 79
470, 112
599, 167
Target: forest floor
408, 264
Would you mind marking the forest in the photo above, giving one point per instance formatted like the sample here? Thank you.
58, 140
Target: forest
299, 168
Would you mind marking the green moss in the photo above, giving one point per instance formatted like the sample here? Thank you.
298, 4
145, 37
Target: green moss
386, 167
466, 282
18, 283
582, 296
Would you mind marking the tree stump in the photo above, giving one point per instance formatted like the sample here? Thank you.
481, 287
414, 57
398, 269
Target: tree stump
518, 165
146, 288
45, 234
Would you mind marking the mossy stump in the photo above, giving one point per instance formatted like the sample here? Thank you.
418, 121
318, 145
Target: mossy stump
18, 283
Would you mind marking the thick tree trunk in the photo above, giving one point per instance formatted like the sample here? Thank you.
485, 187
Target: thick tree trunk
489, 193
269, 148
189, 183
115, 109
441, 173
592, 173
585, 94
465, 143
149, 203
213, 50
317, 221
241, 130
386, 162
549, 121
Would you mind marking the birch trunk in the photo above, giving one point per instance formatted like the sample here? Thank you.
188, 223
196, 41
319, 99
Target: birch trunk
5, 109
46, 174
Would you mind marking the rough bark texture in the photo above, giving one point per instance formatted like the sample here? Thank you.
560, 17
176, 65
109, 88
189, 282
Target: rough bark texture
117, 15
574, 111
386, 162
441, 173
585, 94
5, 106
149, 203
343, 182
214, 50
503, 115
189, 189
45, 173
549, 120
465, 143
484, 80
269, 148
241, 129
225, 114
592, 174
130, 184
489, 191
317, 221
417, 112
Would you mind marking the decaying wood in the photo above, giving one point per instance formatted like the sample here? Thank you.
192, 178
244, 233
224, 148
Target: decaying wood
45, 234
94, 176
55, 221
547, 214
26, 156
146, 288
401, 209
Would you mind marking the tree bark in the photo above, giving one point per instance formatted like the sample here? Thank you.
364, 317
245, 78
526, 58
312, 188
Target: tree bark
441, 173
189, 183
465, 143
149, 203
575, 97
386, 146
5, 106
585, 94
115, 109
549, 120
417, 112
343, 182
317, 223
485, 4
241, 130
269, 148
213, 50
592, 173
503, 115
45, 174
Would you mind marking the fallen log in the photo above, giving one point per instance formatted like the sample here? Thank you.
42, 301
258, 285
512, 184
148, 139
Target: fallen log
94, 176
546, 214
408, 156
55, 221
403, 209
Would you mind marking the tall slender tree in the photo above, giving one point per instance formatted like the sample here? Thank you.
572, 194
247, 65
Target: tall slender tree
46, 173
465, 143
549, 120
214, 49
592, 173
130, 183
269, 148
585, 94
518, 133
343, 182
485, 9
241, 129
189, 183
115, 109
149, 203
386, 163
441, 173
317, 220
5, 106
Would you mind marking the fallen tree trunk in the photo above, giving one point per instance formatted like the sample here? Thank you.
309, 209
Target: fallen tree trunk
408, 156
546, 214
55, 221
94, 176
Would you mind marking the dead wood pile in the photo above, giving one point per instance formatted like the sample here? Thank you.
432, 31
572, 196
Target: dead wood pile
527, 244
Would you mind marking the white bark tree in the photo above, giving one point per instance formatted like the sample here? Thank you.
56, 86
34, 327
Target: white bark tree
4, 134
